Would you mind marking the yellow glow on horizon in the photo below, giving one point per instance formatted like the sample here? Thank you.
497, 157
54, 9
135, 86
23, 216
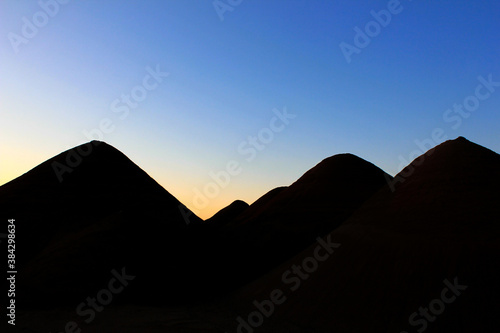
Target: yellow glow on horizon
186, 196
20, 160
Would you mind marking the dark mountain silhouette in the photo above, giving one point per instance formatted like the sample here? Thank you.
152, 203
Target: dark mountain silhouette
104, 183
259, 206
105, 214
396, 251
288, 219
94, 213
227, 213
397, 240
457, 181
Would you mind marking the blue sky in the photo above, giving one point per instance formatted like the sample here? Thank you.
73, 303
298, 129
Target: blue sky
225, 78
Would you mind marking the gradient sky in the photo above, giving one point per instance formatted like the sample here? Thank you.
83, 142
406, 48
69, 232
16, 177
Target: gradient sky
227, 76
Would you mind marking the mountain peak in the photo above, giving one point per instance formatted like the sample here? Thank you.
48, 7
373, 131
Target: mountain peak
454, 180
459, 141
95, 145
340, 168
228, 213
450, 156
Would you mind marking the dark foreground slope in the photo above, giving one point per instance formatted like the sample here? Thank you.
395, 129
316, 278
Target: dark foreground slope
103, 213
422, 257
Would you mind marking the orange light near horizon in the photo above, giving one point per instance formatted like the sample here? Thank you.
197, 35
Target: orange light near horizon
18, 160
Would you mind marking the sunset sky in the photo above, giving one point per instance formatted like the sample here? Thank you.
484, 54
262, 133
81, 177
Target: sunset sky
366, 77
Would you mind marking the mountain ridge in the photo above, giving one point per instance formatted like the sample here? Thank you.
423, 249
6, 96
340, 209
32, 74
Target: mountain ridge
395, 252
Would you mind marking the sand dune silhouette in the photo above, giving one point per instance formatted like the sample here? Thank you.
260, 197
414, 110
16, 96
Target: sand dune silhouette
400, 239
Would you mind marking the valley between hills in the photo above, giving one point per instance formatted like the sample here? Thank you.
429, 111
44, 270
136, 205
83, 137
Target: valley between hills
345, 248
